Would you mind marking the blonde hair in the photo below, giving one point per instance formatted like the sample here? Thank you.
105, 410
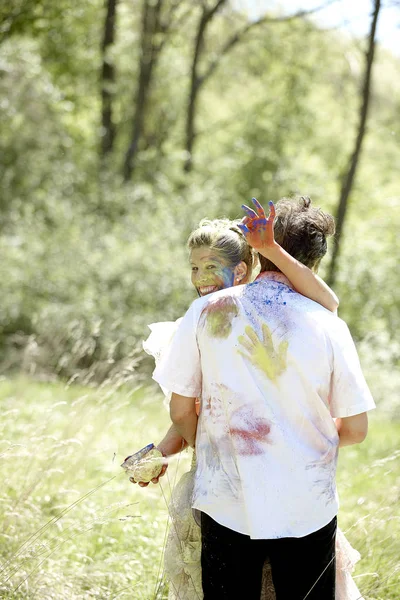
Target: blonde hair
223, 236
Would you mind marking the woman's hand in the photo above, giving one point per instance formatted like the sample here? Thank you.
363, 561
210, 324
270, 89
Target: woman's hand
154, 480
257, 227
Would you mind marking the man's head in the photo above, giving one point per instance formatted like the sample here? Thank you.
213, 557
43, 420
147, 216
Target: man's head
301, 230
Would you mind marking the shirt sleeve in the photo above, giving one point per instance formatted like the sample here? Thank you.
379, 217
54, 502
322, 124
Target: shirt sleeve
349, 392
179, 370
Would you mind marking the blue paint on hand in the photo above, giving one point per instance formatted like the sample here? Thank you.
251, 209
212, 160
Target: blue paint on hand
243, 228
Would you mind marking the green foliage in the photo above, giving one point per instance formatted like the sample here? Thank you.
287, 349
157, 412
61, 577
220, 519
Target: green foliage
72, 524
87, 262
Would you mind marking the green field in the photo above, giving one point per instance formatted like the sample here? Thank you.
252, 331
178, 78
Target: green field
74, 527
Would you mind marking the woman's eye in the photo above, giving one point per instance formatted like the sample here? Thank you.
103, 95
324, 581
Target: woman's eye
194, 269
211, 266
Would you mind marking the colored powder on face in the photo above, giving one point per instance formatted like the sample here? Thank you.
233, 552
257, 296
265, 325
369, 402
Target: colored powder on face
228, 277
210, 270
219, 316
221, 277
262, 354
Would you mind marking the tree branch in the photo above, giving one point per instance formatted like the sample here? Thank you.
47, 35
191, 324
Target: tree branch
236, 37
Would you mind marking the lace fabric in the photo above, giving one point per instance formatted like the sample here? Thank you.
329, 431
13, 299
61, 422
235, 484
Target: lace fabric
158, 342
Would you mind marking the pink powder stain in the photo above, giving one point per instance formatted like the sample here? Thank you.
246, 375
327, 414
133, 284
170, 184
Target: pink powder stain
214, 410
219, 315
251, 432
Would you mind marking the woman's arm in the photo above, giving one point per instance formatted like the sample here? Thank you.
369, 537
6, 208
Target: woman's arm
301, 277
171, 444
182, 410
259, 232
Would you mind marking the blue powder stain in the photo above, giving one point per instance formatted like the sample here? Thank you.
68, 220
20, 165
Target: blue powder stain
269, 302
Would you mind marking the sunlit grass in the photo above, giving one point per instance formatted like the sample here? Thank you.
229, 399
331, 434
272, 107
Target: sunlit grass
57, 445
369, 484
74, 527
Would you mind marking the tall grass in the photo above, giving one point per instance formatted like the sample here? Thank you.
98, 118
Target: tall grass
74, 527
72, 524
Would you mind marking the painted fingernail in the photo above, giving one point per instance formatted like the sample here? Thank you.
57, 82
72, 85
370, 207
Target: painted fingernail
270, 203
243, 228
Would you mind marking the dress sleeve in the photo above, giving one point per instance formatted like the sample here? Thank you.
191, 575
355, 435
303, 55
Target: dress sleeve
349, 392
160, 338
179, 369
157, 345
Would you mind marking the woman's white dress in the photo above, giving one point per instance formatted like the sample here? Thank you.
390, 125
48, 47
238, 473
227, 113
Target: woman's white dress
183, 548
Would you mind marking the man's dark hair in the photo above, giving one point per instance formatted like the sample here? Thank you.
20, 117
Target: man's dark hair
301, 230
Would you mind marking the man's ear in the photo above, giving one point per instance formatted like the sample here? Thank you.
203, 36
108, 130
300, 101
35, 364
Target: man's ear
240, 272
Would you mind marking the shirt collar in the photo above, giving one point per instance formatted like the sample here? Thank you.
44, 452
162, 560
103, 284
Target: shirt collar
274, 276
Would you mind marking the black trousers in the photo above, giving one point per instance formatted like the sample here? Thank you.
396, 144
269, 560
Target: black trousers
302, 568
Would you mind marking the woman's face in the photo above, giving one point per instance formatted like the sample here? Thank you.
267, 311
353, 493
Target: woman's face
210, 272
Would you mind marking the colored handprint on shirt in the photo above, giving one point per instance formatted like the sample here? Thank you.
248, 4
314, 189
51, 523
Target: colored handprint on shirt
219, 315
263, 354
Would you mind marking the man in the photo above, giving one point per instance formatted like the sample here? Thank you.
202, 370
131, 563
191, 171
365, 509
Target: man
273, 370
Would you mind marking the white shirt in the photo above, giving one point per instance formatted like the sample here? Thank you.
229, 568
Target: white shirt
271, 368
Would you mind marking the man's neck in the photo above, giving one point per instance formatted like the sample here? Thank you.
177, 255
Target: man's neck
273, 276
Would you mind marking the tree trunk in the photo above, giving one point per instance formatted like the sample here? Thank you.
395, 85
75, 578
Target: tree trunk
195, 81
149, 54
349, 177
108, 80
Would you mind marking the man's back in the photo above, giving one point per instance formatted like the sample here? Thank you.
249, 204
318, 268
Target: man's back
272, 368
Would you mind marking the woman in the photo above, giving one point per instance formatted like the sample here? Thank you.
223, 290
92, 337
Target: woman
221, 257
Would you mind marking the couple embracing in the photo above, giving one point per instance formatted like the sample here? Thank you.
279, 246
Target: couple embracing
266, 384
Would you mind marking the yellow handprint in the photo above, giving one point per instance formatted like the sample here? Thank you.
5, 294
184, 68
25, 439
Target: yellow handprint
262, 353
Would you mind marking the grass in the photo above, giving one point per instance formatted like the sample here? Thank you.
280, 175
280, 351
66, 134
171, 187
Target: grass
74, 527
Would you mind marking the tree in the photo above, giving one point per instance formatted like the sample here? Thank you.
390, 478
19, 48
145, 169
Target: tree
154, 30
349, 176
108, 79
198, 80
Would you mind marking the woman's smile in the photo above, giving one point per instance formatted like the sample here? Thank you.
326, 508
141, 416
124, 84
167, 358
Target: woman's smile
209, 289
210, 273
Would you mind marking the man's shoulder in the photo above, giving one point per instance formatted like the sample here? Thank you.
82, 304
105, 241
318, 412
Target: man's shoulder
200, 305
232, 292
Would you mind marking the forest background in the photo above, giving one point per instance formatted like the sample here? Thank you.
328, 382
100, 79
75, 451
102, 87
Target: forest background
123, 124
